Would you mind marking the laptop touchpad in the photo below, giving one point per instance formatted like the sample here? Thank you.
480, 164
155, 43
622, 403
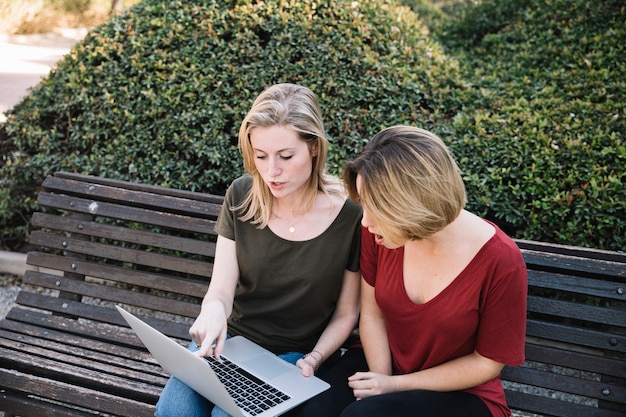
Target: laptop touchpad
267, 366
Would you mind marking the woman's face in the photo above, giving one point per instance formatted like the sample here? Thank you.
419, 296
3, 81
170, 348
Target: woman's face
370, 223
282, 158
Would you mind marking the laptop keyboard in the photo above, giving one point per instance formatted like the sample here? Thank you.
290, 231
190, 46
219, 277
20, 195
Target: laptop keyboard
249, 392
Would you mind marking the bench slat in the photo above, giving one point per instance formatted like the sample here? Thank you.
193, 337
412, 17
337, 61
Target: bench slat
155, 189
107, 231
588, 388
92, 312
122, 254
28, 323
554, 407
177, 285
109, 293
598, 390
583, 337
567, 309
82, 371
614, 290
571, 359
143, 198
578, 265
133, 214
108, 353
74, 395
21, 405
577, 251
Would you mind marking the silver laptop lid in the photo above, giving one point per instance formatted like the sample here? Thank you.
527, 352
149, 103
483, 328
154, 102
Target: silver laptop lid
196, 373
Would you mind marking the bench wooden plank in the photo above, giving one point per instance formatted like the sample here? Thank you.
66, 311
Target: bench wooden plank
154, 189
120, 274
96, 337
133, 214
565, 383
614, 290
572, 310
107, 231
81, 397
577, 251
138, 365
130, 197
75, 309
20, 405
582, 337
578, 360
554, 406
121, 254
79, 371
117, 295
579, 265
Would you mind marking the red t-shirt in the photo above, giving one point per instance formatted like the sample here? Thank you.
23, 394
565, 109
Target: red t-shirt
483, 309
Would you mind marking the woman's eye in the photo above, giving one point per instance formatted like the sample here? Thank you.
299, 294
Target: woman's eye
286, 158
260, 156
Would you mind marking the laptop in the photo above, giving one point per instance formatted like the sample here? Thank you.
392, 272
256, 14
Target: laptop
270, 386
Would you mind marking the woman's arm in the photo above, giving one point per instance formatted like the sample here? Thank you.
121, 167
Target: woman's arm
461, 373
373, 332
210, 327
341, 325
458, 374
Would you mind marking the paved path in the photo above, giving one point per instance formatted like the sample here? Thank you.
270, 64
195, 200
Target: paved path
27, 58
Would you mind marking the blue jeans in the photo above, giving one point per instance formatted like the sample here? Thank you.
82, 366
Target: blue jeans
177, 399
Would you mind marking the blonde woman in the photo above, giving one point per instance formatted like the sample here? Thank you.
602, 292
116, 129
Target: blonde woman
443, 304
287, 255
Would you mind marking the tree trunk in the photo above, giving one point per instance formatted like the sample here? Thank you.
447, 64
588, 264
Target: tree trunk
116, 7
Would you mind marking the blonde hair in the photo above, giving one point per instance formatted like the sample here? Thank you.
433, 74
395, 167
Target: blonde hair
294, 107
410, 183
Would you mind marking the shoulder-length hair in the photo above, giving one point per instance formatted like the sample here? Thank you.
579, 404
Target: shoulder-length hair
409, 183
294, 107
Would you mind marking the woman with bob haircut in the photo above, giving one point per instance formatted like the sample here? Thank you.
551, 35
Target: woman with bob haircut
443, 294
286, 270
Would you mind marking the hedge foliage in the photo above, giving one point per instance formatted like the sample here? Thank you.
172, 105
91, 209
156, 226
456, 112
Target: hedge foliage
157, 94
530, 99
544, 150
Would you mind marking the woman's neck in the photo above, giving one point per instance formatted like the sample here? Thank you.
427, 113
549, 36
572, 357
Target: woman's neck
466, 229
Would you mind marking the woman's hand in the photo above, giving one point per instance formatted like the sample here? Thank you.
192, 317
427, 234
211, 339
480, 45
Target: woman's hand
209, 329
366, 384
310, 363
306, 367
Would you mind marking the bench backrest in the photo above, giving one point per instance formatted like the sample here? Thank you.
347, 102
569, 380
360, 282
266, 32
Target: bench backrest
109, 242
576, 329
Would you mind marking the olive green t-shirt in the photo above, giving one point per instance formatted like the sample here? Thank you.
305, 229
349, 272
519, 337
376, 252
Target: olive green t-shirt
287, 290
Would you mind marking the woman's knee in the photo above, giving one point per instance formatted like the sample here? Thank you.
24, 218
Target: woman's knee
363, 408
177, 399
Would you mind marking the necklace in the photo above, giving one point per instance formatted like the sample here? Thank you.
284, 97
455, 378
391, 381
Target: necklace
292, 228
295, 221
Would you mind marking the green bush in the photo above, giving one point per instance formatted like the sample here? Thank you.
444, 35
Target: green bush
157, 94
544, 150
529, 95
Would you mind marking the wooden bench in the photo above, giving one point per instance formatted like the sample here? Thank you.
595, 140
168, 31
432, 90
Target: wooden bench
65, 351
576, 334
